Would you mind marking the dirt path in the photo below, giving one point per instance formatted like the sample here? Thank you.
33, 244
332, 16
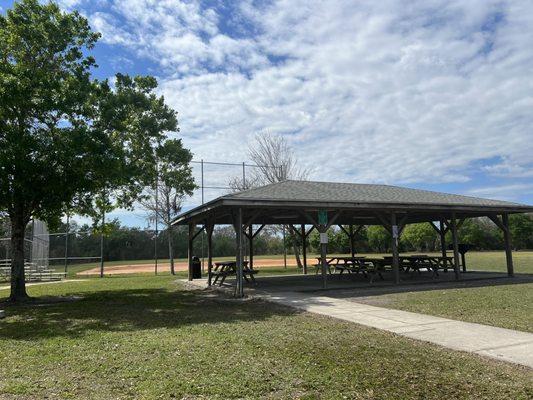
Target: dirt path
179, 266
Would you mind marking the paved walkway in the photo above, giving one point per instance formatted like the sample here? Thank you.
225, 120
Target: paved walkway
44, 283
502, 344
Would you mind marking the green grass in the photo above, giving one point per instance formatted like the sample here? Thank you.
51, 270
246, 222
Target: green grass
506, 306
139, 337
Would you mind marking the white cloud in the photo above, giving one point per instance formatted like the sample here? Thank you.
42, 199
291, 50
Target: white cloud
370, 91
504, 192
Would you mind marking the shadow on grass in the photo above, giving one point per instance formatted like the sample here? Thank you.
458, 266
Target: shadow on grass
131, 310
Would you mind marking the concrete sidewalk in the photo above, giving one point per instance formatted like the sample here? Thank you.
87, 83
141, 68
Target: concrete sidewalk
499, 343
44, 283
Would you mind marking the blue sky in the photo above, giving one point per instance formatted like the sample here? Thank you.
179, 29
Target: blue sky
429, 94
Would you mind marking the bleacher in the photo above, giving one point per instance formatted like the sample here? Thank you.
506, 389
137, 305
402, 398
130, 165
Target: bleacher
32, 272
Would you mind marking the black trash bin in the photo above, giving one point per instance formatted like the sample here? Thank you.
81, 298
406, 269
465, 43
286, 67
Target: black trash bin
196, 268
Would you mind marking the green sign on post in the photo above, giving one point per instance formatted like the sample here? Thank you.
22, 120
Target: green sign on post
322, 217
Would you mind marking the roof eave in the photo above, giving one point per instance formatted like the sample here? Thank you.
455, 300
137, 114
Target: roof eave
287, 204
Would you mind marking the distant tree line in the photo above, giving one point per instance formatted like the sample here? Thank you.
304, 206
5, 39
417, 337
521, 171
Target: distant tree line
126, 243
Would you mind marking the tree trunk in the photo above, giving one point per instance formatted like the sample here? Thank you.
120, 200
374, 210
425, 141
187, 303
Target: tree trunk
18, 280
170, 250
296, 247
297, 255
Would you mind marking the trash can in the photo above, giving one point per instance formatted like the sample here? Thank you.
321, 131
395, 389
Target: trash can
196, 268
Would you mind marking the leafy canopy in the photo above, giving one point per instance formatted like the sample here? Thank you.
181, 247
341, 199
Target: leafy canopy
64, 136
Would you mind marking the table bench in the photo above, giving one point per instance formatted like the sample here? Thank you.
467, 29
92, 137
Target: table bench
222, 269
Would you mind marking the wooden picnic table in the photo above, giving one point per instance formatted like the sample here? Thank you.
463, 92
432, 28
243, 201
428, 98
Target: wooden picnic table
352, 265
417, 262
374, 266
222, 269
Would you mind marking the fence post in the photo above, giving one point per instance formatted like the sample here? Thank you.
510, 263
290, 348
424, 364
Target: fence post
102, 245
66, 244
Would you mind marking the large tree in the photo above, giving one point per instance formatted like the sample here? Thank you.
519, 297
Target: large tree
66, 138
174, 181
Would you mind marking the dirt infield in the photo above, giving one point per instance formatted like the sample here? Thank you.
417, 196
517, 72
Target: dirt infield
179, 266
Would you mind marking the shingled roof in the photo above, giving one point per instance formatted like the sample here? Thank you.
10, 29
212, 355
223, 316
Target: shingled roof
352, 198
358, 193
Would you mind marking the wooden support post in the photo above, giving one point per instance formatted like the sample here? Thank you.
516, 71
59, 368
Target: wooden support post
304, 249
239, 292
209, 229
456, 269
190, 249
322, 229
251, 247
507, 239
442, 233
352, 245
395, 254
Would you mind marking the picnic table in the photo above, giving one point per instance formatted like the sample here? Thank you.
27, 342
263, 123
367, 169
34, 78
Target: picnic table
375, 266
349, 264
417, 262
222, 269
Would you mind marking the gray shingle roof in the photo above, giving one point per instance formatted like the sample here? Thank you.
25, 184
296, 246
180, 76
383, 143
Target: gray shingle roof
359, 193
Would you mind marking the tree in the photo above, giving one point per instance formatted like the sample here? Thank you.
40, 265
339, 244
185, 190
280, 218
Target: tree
420, 236
379, 239
275, 162
174, 181
481, 233
521, 227
64, 137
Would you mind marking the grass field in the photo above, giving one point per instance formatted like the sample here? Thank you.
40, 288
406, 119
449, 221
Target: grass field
506, 306
139, 337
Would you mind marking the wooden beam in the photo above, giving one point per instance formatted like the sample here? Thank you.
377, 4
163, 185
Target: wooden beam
250, 247
334, 218
455, 248
434, 227
239, 291
349, 234
395, 254
352, 244
384, 222
304, 249
508, 247
446, 225
497, 221
190, 242
252, 218
198, 232
210, 226
311, 220
258, 230
310, 230
442, 233
295, 231
322, 229
403, 221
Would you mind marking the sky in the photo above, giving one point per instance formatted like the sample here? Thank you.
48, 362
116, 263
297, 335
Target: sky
432, 94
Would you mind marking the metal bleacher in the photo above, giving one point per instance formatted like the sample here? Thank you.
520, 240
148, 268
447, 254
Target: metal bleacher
32, 272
